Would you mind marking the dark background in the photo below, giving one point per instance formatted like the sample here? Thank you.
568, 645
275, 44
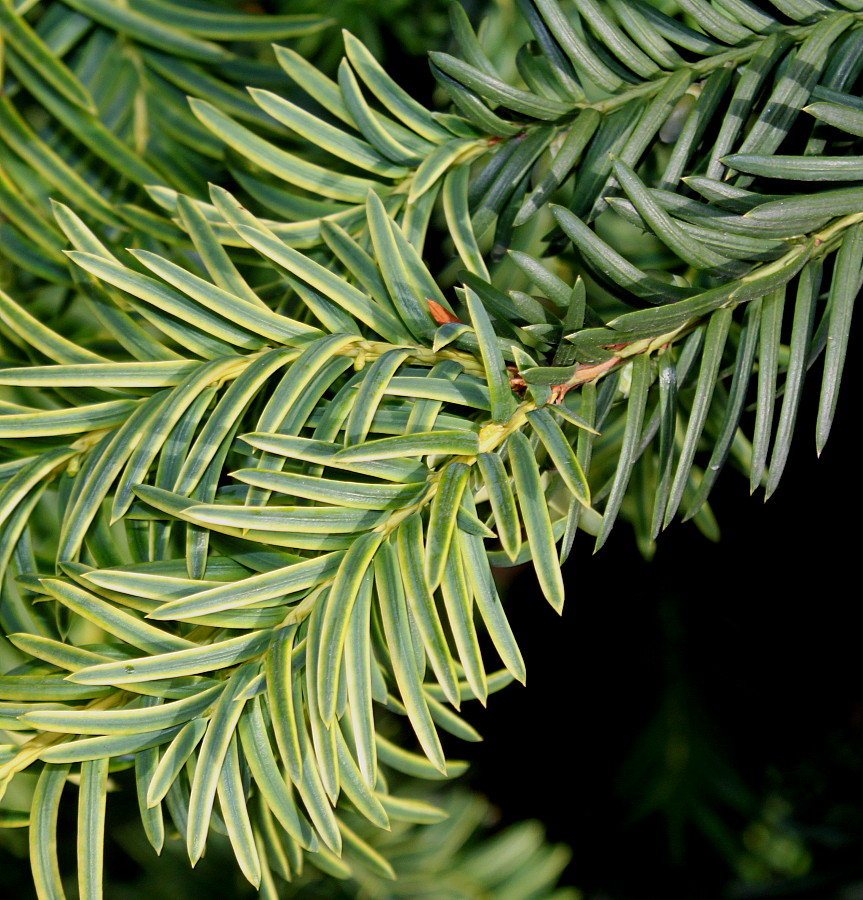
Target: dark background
693, 725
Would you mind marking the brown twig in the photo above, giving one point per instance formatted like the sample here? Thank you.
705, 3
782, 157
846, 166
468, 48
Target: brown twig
584, 373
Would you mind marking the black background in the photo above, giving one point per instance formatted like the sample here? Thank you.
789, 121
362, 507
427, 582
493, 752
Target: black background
761, 632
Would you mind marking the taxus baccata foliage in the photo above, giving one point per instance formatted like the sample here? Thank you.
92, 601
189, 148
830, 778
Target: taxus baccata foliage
263, 442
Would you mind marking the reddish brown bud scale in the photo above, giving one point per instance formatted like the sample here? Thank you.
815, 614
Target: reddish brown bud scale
440, 314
